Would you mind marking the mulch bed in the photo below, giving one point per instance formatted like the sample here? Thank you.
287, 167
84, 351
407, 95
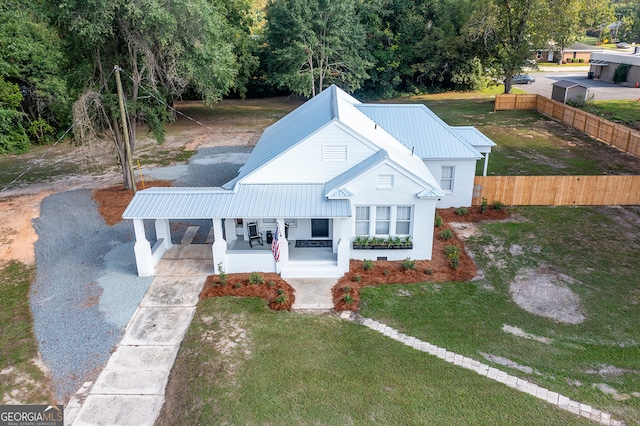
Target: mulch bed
435, 270
112, 201
238, 285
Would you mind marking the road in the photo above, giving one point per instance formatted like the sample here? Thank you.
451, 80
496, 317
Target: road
601, 90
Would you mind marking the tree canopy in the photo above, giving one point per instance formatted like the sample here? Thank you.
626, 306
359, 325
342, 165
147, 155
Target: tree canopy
62, 52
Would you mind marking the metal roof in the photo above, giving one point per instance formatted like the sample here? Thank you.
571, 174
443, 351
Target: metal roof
567, 84
475, 137
289, 130
257, 201
420, 130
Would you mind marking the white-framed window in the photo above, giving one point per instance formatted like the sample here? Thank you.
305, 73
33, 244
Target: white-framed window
269, 221
383, 220
403, 220
362, 220
291, 222
334, 153
447, 177
384, 182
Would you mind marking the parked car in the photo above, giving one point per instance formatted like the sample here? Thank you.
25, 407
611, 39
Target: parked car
623, 45
523, 79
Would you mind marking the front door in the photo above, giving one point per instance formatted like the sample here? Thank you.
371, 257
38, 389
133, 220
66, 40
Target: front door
319, 228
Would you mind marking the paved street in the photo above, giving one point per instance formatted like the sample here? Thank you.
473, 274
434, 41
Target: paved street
601, 90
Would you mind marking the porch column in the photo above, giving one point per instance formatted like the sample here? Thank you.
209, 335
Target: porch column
163, 232
486, 164
219, 247
142, 250
344, 244
284, 246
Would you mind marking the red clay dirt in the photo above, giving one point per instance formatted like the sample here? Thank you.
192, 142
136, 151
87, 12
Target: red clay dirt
113, 200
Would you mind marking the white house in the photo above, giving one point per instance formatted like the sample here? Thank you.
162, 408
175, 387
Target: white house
330, 172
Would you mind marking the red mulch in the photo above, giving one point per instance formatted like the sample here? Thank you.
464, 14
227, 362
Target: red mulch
435, 270
112, 201
238, 285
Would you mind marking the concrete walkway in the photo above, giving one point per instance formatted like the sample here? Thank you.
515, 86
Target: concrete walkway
492, 373
130, 390
312, 293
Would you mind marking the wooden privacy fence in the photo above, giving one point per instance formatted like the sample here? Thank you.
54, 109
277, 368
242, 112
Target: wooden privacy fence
558, 190
616, 135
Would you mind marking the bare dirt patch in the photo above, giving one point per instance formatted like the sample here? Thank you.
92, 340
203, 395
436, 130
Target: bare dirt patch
545, 293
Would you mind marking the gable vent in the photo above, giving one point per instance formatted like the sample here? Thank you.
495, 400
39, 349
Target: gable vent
385, 182
334, 153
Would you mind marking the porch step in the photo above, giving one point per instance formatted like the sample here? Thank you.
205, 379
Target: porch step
309, 269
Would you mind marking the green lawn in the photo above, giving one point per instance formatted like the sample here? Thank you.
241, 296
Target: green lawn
242, 364
21, 379
592, 251
623, 112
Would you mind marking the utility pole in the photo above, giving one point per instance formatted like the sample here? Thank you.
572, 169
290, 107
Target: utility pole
125, 130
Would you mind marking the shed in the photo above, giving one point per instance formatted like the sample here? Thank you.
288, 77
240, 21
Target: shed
565, 91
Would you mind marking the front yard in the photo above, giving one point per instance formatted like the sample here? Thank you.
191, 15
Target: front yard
580, 336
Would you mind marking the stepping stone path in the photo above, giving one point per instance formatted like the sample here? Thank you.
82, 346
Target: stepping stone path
492, 373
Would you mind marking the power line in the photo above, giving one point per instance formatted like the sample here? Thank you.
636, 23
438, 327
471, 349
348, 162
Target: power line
25, 171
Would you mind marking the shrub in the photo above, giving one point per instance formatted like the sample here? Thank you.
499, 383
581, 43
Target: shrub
452, 251
280, 291
446, 234
256, 278
281, 299
428, 271
497, 205
438, 221
222, 275
367, 264
461, 211
621, 72
357, 279
238, 285
346, 289
271, 284
347, 299
484, 205
408, 263
387, 272
581, 60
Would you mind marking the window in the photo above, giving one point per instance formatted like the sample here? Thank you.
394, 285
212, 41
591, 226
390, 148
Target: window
383, 220
446, 181
334, 154
362, 220
403, 220
385, 182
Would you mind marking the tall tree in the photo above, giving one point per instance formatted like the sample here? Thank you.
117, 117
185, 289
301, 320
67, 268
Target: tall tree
314, 43
164, 47
509, 30
33, 99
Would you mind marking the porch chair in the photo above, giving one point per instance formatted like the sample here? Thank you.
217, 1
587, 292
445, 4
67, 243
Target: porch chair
252, 227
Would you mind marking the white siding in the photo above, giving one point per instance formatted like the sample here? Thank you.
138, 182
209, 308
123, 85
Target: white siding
465, 171
304, 162
404, 194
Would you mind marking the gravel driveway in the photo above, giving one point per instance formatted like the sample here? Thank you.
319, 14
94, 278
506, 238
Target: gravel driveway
86, 287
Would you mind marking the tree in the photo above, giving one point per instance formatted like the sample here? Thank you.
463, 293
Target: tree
163, 47
314, 43
564, 23
509, 30
34, 102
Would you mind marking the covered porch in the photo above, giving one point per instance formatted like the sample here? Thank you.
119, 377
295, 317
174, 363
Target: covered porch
318, 244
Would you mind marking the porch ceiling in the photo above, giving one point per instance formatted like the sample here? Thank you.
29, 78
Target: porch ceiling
266, 200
